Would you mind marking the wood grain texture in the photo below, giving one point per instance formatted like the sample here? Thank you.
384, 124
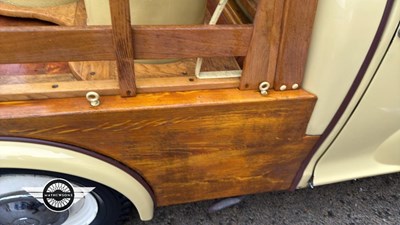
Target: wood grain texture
42, 81
231, 14
297, 27
94, 70
259, 64
107, 70
191, 41
123, 46
62, 88
37, 78
33, 69
62, 15
234, 14
60, 44
6, 21
189, 146
80, 15
250, 6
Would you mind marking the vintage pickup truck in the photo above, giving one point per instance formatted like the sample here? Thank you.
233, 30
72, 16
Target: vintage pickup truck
111, 105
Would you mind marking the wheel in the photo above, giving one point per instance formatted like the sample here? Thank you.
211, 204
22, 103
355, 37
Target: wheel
101, 206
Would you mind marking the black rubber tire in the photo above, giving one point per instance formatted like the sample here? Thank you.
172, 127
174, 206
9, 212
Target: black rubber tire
113, 207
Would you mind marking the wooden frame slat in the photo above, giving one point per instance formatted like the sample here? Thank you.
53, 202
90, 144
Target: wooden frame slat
123, 45
52, 44
259, 64
68, 89
155, 42
58, 44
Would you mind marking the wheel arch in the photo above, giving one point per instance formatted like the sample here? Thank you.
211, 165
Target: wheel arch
34, 154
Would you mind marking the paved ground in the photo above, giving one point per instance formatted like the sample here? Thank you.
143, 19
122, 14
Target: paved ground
366, 201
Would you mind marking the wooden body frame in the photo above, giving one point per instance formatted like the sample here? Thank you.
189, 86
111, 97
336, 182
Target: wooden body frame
188, 146
259, 43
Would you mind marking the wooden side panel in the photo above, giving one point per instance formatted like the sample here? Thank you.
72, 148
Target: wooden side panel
55, 44
297, 26
189, 146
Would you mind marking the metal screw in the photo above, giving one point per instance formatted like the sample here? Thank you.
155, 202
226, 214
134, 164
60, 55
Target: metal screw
93, 98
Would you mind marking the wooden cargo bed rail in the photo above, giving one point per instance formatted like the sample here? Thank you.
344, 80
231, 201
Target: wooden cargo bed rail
93, 43
260, 43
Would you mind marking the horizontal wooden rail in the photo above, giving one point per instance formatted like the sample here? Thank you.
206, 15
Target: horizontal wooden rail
56, 44
13, 92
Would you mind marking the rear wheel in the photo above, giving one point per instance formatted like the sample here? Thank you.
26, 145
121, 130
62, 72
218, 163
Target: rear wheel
102, 206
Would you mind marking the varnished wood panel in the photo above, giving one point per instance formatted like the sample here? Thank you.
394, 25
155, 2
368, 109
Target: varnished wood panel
41, 44
189, 146
297, 26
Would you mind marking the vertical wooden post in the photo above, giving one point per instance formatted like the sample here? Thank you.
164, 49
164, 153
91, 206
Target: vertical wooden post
259, 64
123, 44
298, 21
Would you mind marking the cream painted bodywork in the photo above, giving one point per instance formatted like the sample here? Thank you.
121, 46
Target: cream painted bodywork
150, 12
42, 157
340, 41
369, 144
330, 92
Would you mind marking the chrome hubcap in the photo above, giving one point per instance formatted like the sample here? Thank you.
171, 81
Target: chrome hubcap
19, 208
